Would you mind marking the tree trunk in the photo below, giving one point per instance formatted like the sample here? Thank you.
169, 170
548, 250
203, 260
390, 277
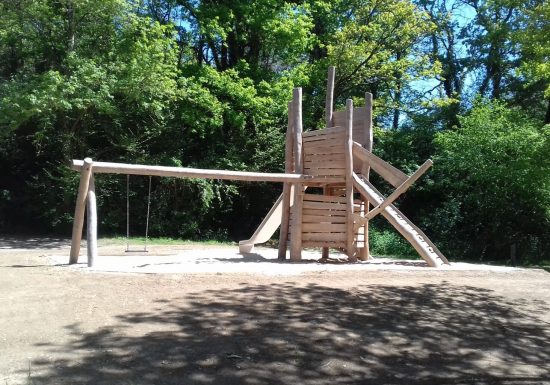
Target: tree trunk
397, 99
71, 28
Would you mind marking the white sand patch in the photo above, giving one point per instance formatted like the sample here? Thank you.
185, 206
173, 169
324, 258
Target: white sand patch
211, 260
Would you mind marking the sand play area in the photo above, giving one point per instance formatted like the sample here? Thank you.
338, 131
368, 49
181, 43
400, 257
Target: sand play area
199, 259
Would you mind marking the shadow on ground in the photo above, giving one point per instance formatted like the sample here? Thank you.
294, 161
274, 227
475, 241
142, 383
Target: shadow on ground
285, 334
9, 243
256, 257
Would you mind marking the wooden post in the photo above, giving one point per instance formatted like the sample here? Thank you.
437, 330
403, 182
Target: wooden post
296, 234
350, 249
329, 106
78, 221
91, 228
368, 121
368, 141
289, 168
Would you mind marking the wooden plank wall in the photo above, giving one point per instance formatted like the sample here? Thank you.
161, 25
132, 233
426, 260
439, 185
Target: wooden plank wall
324, 221
324, 152
358, 128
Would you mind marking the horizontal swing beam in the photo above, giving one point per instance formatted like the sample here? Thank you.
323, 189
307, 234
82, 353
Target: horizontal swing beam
182, 172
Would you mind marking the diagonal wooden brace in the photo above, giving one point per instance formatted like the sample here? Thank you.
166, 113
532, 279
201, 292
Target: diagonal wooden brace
392, 175
399, 190
421, 243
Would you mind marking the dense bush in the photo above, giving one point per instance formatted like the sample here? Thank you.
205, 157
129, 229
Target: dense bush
493, 177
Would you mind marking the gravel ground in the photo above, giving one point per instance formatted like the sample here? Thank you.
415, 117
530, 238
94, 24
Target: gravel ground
211, 316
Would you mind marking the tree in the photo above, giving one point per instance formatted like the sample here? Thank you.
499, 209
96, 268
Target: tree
445, 45
494, 180
101, 86
490, 43
534, 42
266, 34
373, 50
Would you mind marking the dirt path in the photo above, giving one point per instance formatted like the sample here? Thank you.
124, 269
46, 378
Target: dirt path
61, 325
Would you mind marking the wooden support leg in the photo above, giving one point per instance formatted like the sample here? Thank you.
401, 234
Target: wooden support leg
325, 250
296, 235
364, 253
78, 221
287, 187
329, 104
285, 221
91, 234
368, 142
351, 249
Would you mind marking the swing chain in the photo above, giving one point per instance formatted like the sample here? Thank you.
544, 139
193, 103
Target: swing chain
128, 214
148, 211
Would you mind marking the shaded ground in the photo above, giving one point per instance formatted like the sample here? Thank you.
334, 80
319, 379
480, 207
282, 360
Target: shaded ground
60, 325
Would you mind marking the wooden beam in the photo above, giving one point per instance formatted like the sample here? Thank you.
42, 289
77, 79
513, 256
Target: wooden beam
367, 123
391, 174
350, 248
91, 227
287, 187
80, 207
365, 169
182, 172
296, 234
329, 106
400, 190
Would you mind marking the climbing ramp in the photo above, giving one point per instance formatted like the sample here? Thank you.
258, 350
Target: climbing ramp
421, 243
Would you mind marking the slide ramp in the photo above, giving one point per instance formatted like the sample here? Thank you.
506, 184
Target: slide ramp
267, 228
421, 243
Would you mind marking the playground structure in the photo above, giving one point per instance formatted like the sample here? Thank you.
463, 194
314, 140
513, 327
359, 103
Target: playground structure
335, 161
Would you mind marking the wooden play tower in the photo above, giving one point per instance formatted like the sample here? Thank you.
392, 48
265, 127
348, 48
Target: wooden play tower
339, 159
327, 200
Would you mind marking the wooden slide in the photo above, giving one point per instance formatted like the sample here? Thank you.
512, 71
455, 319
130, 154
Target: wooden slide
269, 225
421, 243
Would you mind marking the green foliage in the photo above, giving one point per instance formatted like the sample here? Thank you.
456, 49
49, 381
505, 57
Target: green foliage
262, 33
393, 27
535, 44
494, 174
372, 44
388, 243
